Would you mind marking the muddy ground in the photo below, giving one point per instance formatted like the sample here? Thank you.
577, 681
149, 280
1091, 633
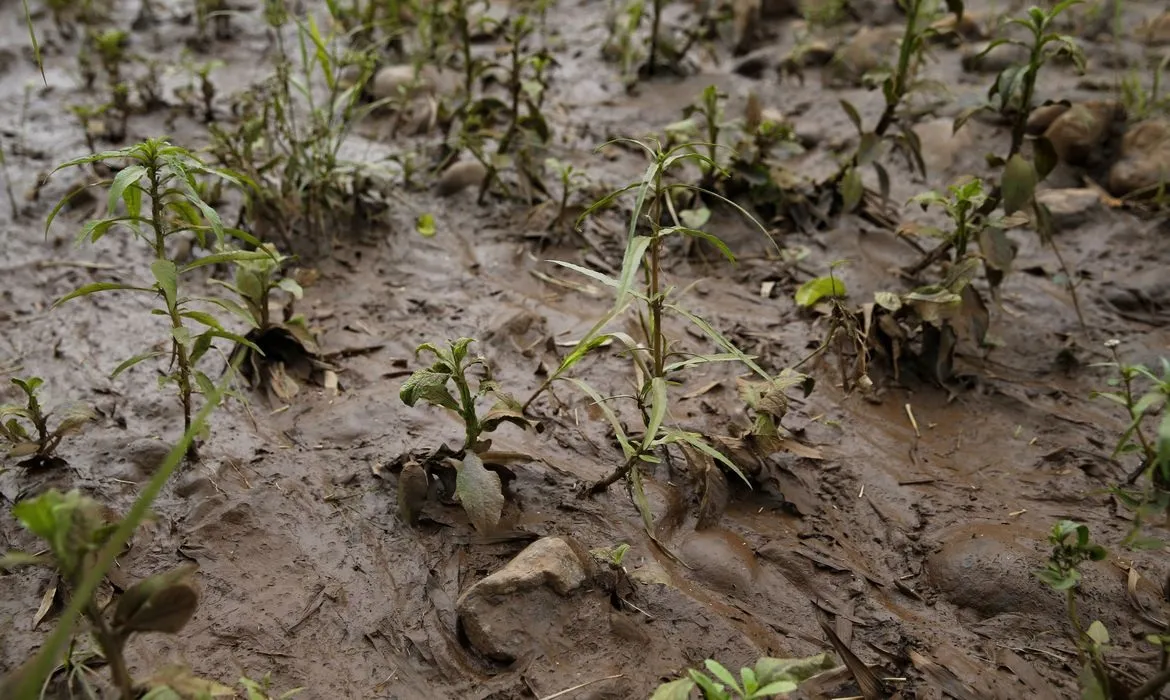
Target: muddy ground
905, 539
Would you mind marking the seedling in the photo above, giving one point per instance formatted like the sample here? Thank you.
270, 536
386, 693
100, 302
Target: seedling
478, 488
158, 193
26, 428
769, 678
286, 341
570, 179
76, 528
845, 332
1071, 547
654, 364
1143, 394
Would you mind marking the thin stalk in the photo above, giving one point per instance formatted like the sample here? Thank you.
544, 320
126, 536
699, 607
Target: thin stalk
657, 340
470, 420
180, 351
1019, 128
905, 53
113, 648
656, 25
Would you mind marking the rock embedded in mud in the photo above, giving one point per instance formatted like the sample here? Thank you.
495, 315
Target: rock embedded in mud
498, 612
459, 176
1156, 32
1079, 133
1145, 158
1042, 117
869, 49
974, 59
720, 560
1071, 207
988, 568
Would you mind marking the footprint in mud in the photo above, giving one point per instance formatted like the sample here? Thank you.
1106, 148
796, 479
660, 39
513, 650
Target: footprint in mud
720, 560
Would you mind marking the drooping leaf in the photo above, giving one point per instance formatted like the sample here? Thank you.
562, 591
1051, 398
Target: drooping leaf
1018, 184
130, 362
167, 275
160, 603
87, 289
812, 291
480, 492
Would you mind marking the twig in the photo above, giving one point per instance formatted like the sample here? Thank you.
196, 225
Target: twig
566, 691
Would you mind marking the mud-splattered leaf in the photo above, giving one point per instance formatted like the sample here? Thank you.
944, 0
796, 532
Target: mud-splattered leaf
888, 300
160, 603
428, 385
770, 670
819, 288
425, 225
1018, 184
182, 683
480, 492
675, 690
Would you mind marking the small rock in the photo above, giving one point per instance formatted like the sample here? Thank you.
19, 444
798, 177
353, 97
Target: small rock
1071, 207
988, 568
1078, 133
498, 612
460, 176
868, 50
400, 80
1145, 159
941, 144
1003, 56
1042, 117
1156, 31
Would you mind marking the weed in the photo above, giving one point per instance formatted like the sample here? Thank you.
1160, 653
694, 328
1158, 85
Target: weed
844, 330
1141, 103
289, 140
658, 53
570, 179
159, 195
654, 364
767, 679
1143, 394
478, 488
83, 545
896, 86
38, 444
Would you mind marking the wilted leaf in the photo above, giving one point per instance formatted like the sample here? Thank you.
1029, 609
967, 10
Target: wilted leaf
996, 248
184, 684
480, 492
888, 300
160, 603
430, 386
818, 288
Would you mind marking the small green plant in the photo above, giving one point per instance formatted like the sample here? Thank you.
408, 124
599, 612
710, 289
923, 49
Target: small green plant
1142, 103
661, 52
159, 200
655, 365
479, 489
570, 180
26, 428
769, 678
1143, 395
82, 545
1071, 547
76, 528
896, 84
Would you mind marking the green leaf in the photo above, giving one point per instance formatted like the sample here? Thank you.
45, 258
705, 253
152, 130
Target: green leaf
226, 257
679, 689
776, 688
819, 288
658, 406
204, 318
167, 276
1018, 184
631, 264
1098, 633
430, 386
628, 449
127, 364
852, 113
480, 492
95, 287
126, 177
291, 286
425, 225
769, 670
851, 190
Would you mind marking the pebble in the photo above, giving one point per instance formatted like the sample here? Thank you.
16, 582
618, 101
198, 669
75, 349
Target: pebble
1079, 133
1071, 207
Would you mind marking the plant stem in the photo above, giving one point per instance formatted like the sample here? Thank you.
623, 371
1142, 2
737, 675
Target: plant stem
615, 476
657, 340
905, 53
656, 25
1151, 687
113, 647
180, 350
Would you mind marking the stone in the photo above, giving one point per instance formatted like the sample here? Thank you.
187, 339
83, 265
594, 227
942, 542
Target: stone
988, 568
1156, 31
1079, 133
400, 80
459, 176
1145, 159
941, 144
869, 49
974, 59
1042, 117
1071, 207
504, 614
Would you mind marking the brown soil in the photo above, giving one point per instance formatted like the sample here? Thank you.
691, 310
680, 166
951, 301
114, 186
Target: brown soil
909, 540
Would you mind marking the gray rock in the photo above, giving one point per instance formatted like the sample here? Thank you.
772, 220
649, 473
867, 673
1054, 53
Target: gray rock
1145, 159
974, 59
1079, 133
503, 614
988, 568
1071, 207
460, 176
